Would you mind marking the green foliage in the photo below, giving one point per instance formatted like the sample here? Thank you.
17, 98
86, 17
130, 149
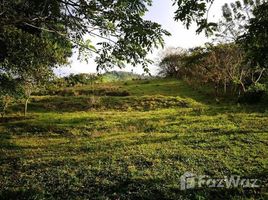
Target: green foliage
9, 86
114, 76
254, 93
124, 35
172, 63
255, 40
90, 79
83, 79
257, 88
189, 11
31, 59
10, 90
29, 55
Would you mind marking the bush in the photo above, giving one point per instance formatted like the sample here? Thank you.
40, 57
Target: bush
254, 93
81, 79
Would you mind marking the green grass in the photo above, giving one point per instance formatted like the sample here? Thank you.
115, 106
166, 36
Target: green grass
132, 147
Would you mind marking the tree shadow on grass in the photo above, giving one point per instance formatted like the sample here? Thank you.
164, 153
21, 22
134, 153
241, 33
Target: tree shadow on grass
120, 187
126, 187
35, 129
10, 119
105, 183
7, 147
20, 194
5, 142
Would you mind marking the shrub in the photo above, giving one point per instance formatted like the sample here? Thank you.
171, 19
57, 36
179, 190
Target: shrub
254, 93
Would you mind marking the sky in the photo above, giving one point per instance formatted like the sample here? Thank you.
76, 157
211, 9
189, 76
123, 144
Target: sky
161, 12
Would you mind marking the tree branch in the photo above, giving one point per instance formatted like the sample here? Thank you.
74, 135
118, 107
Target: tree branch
63, 35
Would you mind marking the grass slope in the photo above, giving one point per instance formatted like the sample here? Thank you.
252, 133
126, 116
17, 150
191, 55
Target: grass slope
131, 147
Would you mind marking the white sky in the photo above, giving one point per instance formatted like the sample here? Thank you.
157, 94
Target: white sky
161, 12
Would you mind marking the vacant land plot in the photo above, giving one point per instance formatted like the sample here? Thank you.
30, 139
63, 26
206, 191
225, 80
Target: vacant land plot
132, 143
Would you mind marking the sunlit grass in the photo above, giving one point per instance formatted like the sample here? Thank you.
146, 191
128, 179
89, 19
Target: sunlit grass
135, 152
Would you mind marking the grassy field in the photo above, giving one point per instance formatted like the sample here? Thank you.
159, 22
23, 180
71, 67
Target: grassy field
131, 140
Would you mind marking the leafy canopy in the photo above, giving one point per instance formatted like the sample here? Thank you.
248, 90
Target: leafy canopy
195, 11
124, 35
255, 40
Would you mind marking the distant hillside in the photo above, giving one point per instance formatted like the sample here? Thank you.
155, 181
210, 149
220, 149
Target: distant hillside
121, 76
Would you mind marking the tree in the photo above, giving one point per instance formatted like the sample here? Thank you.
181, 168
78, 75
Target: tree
235, 19
255, 40
31, 59
171, 62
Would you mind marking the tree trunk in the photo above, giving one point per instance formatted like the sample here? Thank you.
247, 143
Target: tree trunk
216, 90
225, 86
243, 87
26, 106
